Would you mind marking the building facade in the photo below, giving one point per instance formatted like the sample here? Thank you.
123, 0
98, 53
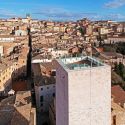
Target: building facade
83, 92
44, 87
5, 77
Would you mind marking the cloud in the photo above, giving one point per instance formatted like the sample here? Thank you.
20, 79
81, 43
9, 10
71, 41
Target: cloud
115, 4
112, 16
116, 16
6, 13
63, 14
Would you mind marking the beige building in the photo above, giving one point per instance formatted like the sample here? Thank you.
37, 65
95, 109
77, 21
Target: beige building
6, 69
10, 69
20, 64
118, 114
7, 48
103, 30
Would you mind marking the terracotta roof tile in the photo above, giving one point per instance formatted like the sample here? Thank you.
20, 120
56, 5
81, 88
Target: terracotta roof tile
118, 94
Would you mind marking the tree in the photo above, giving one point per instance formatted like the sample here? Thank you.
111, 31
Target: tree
120, 70
121, 48
116, 68
82, 31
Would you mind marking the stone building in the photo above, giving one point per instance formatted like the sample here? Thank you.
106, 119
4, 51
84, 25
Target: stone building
83, 93
44, 82
6, 69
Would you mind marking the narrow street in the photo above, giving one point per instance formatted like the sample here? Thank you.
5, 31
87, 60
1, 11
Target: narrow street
42, 119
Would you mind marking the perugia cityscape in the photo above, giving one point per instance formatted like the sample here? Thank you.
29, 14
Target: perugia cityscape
62, 62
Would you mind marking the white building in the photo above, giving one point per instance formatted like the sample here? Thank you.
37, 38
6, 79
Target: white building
59, 53
1, 50
83, 92
21, 33
7, 38
44, 95
44, 88
104, 31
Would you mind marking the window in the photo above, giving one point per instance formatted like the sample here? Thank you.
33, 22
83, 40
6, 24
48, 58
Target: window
53, 94
47, 87
41, 98
41, 89
53, 73
41, 104
114, 120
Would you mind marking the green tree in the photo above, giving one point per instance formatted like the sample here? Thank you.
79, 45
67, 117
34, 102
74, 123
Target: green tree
120, 70
82, 31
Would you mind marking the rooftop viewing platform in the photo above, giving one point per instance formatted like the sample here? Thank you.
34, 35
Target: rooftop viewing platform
77, 63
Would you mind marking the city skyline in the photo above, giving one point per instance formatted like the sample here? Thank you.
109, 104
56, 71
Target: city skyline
64, 9
56, 57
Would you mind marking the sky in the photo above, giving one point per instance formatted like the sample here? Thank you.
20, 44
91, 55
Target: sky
64, 9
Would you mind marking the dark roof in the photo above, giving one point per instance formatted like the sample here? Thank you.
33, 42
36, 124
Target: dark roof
112, 54
49, 65
6, 110
44, 80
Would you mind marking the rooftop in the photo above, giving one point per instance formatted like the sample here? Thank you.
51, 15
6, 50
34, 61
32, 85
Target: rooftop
16, 110
115, 107
119, 94
44, 80
78, 63
5, 63
39, 78
112, 55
